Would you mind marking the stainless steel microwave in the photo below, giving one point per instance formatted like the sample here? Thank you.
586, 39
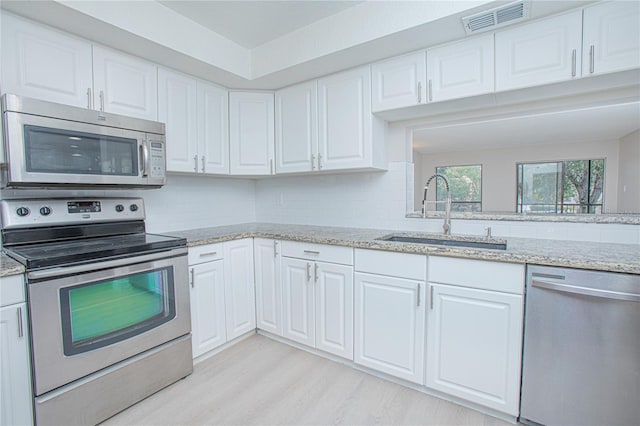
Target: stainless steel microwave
49, 145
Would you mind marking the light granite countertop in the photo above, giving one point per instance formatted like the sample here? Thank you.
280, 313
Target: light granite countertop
8, 266
571, 254
619, 218
623, 258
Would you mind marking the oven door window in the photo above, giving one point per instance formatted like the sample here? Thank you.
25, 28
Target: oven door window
49, 150
101, 313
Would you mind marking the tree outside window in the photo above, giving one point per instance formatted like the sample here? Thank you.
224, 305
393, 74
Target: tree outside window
561, 187
465, 184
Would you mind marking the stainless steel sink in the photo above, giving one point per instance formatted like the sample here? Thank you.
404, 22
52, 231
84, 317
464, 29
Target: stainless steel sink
462, 242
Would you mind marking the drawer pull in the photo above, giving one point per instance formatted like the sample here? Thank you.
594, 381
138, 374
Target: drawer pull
211, 253
311, 252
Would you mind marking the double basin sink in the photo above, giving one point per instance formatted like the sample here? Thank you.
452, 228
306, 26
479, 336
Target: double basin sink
449, 241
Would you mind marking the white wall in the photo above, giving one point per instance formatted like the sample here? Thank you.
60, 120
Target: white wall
629, 173
499, 169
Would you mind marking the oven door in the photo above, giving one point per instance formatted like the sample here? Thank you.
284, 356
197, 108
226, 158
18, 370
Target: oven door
44, 151
87, 321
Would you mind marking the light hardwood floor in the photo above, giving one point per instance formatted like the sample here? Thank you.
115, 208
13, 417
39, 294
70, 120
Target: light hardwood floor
261, 381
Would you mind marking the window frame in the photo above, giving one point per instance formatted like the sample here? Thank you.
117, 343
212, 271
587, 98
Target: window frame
462, 202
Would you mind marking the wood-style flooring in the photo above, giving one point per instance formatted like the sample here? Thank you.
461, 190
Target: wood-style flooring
261, 381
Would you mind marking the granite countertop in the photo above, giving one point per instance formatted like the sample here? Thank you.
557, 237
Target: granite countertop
8, 266
571, 254
619, 218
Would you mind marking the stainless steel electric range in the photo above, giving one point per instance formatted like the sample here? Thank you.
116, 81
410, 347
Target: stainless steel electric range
108, 304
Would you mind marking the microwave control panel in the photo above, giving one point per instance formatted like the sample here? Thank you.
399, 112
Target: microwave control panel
156, 161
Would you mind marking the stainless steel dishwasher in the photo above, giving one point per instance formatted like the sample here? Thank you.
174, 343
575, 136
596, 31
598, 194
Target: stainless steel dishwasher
581, 360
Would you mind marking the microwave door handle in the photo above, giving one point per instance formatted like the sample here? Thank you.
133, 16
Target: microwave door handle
144, 149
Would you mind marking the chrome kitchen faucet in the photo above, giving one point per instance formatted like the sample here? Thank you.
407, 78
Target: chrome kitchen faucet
447, 209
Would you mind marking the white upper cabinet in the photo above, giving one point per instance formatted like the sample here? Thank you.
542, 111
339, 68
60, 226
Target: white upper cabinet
124, 84
296, 127
461, 69
399, 82
541, 52
349, 136
251, 133
611, 37
42, 63
177, 109
212, 132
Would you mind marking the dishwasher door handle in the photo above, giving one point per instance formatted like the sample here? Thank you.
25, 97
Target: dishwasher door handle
566, 288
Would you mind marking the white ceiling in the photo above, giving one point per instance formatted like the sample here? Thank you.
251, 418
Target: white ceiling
598, 123
253, 23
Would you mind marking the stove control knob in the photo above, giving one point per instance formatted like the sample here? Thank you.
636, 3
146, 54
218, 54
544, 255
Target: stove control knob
133, 207
45, 211
119, 208
22, 211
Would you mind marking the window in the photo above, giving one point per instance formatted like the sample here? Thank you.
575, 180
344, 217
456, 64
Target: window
465, 184
561, 187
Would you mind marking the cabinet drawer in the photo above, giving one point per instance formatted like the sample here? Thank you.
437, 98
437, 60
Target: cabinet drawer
320, 252
12, 290
206, 253
403, 265
496, 276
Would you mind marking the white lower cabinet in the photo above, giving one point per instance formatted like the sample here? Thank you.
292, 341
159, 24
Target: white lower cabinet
15, 379
317, 297
240, 305
474, 335
208, 329
266, 257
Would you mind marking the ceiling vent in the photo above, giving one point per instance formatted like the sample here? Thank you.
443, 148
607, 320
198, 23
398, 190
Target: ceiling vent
497, 17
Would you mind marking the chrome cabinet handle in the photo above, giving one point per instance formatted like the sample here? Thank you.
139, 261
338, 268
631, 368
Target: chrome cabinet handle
211, 253
430, 92
573, 63
195, 162
419, 92
308, 272
419, 291
311, 252
275, 248
575, 289
431, 297
145, 159
193, 278
592, 58
313, 164
319, 161
203, 164
315, 273
20, 325
102, 101
89, 98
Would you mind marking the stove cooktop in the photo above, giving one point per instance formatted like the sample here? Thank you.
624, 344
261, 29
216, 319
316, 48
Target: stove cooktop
63, 253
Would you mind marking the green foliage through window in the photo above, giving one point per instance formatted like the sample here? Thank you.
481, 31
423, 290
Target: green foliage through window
561, 187
465, 184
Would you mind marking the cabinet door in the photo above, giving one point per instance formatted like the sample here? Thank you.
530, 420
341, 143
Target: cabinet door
344, 120
124, 84
213, 128
42, 63
611, 37
15, 380
251, 133
542, 52
474, 345
208, 329
390, 325
296, 128
461, 69
399, 82
268, 287
177, 109
239, 291
297, 301
334, 308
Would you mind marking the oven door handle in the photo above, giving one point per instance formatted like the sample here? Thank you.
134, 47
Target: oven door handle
90, 267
